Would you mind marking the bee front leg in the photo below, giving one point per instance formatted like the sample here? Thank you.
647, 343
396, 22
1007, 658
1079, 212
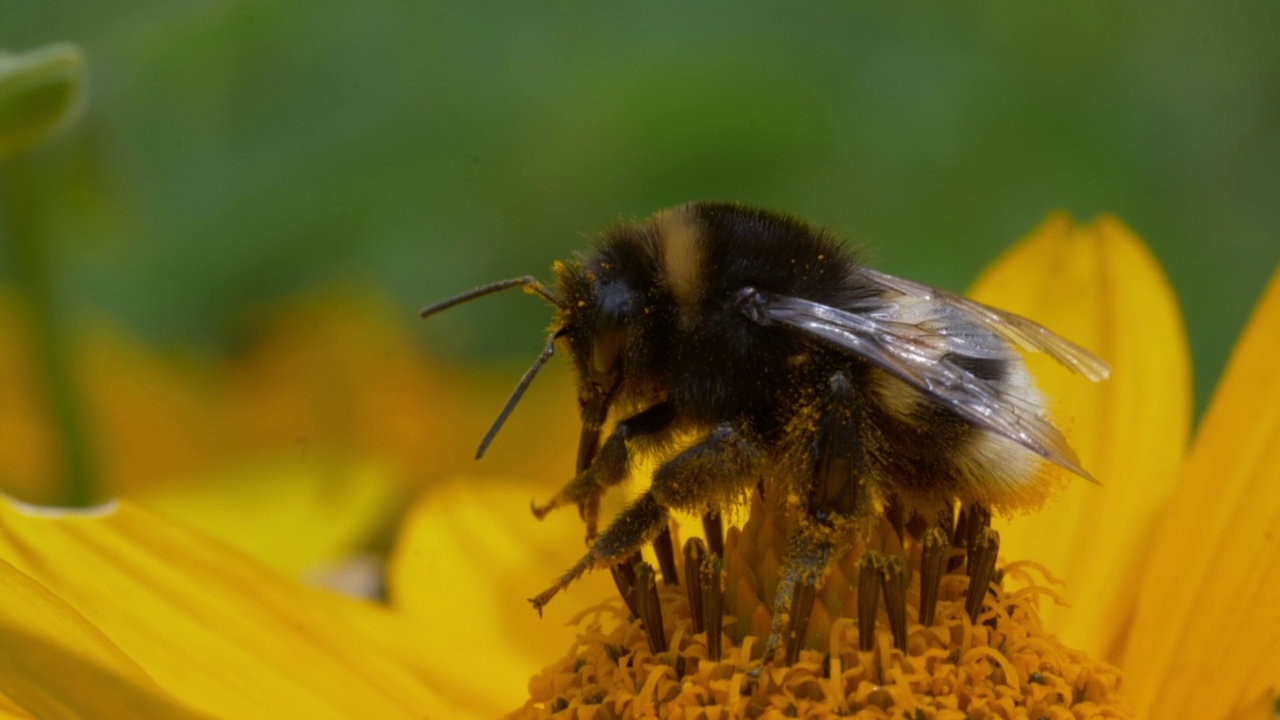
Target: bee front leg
610, 466
710, 473
638, 524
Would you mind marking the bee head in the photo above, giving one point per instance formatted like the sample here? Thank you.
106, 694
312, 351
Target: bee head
595, 318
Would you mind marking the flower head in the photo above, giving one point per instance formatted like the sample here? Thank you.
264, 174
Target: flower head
956, 656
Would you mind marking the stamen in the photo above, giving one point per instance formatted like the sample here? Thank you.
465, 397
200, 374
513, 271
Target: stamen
982, 567
894, 577
713, 603
947, 521
664, 547
624, 577
650, 607
933, 557
868, 598
695, 553
713, 528
978, 521
959, 539
801, 611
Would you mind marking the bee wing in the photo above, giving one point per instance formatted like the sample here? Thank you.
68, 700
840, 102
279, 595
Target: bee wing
1020, 331
915, 349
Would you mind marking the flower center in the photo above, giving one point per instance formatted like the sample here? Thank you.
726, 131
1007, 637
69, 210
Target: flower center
890, 630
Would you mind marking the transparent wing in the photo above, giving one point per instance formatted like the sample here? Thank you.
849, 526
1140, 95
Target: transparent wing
912, 343
1020, 331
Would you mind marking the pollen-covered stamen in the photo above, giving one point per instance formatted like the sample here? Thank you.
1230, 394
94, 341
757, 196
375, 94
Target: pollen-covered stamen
934, 549
1007, 664
695, 552
713, 604
946, 521
664, 548
801, 611
650, 607
982, 567
979, 519
713, 529
895, 575
624, 577
868, 598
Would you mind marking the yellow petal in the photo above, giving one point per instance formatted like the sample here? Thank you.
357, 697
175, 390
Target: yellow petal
10, 710
337, 371
296, 513
55, 664
1207, 630
1099, 286
211, 627
469, 556
150, 414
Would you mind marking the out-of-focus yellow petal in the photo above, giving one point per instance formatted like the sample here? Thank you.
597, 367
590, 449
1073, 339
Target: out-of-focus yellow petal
55, 664
150, 414
1098, 286
336, 371
211, 627
295, 513
10, 710
1207, 629
467, 559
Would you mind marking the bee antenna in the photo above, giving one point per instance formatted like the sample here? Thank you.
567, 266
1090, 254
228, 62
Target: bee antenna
529, 282
518, 393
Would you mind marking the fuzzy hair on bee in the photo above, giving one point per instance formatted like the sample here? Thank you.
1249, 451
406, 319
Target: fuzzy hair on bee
725, 344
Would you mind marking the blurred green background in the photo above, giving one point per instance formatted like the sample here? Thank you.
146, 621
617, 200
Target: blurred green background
235, 152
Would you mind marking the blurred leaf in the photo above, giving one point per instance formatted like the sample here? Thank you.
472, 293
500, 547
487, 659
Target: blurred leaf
39, 91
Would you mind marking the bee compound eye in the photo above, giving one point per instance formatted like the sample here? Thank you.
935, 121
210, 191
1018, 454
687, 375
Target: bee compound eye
608, 339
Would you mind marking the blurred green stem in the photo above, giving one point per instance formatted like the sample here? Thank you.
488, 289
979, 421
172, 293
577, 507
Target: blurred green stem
22, 220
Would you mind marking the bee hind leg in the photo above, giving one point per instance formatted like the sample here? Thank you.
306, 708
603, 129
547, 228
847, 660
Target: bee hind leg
838, 493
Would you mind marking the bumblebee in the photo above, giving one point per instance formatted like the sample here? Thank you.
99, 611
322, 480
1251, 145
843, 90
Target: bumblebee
727, 344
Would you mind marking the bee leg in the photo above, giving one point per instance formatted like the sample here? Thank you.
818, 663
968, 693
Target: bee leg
709, 474
838, 491
705, 476
802, 569
636, 525
609, 467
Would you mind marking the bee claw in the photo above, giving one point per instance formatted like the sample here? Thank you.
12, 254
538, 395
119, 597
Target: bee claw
541, 511
540, 600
